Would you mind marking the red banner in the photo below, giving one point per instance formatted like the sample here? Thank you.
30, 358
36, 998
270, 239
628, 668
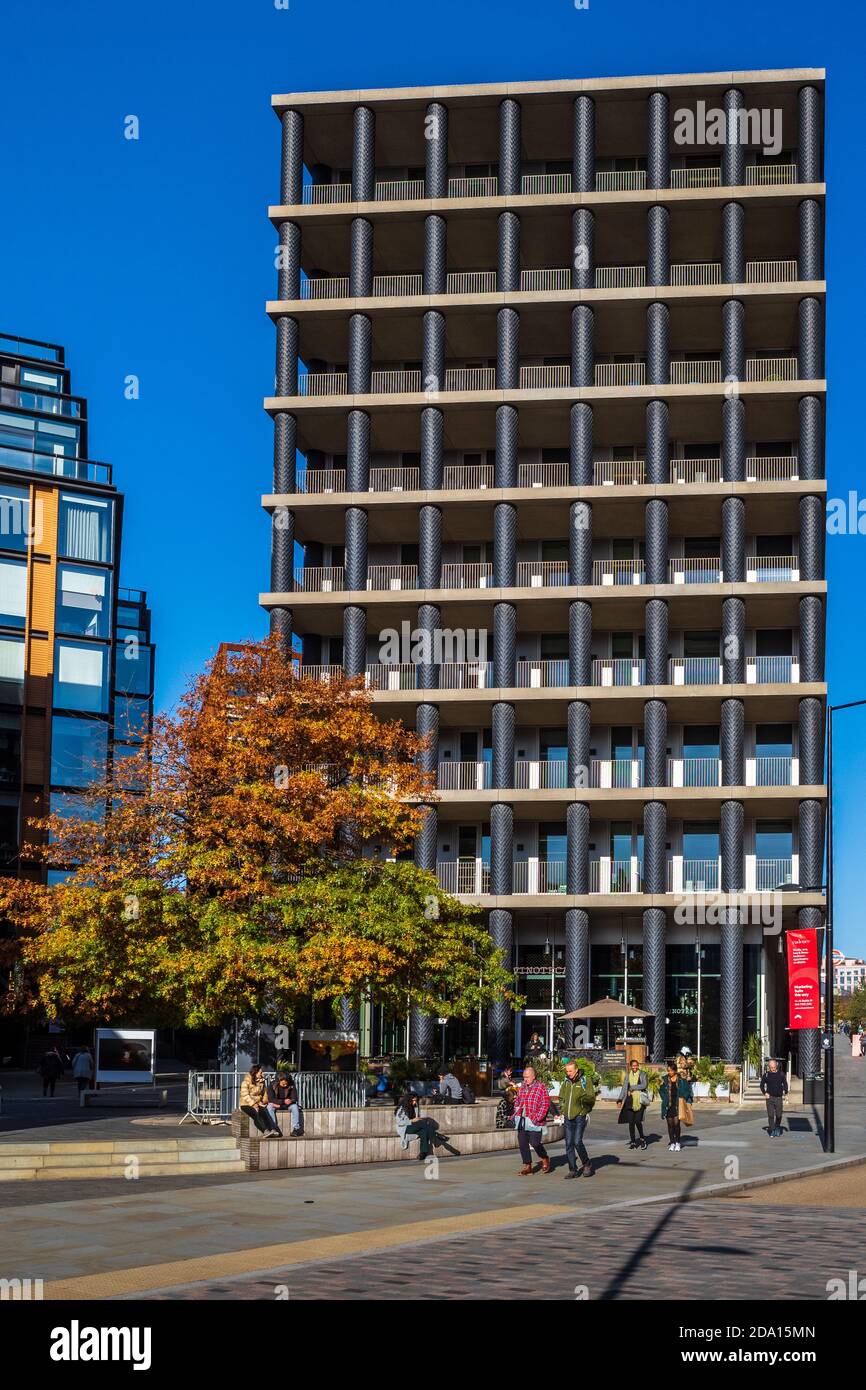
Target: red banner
804, 991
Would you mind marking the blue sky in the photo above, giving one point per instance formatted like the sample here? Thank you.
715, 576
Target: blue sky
154, 257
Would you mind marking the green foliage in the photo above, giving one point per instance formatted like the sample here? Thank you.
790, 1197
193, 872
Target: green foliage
612, 1079
653, 1083
753, 1051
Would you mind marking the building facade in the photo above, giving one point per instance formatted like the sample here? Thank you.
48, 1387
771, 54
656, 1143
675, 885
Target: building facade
76, 657
849, 973
549, 473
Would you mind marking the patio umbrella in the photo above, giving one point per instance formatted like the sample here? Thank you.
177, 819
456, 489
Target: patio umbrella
608, 1009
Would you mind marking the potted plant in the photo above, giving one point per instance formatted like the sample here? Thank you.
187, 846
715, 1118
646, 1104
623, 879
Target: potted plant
719, 1087
753, 1053
611, 1084
701, 1080
653, 1084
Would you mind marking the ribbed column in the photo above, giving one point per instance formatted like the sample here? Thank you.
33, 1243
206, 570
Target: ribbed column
811, 448
812, 532
426, 840
429, 547
435, 254
502, 737
580, 543
501, 848
732, 730
579, 724
505, 545
507, 350
354, 641
433, 351
658, 448
658, 354
658, 269
811, 741
810, 355
734, 540
582, 351
811, 844
733, 440
579, 642
283, 528
427, 727
356, 549
811, 638
809, 135
733, 637
733, 244
509, 147
432, 448
358, 451
505, 466
422, 1034
731, 932
361, 258
656, 527
655, 733
655, 829
429, 623
654, 930
733, 150
733, 340
360, 365
576, 984
580, 445
363, 155
292, 166
349, 1016
583, 249
583, 161
508, 257
658, 158
809, 1039
577, 842
280, 628
810, 259
731, 842
289, 274
285, 452
505, 645
436, 150
287, 357
656, 630
499, 1015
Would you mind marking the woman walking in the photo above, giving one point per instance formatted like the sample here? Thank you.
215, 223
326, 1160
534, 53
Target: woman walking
633, 1101
856, 1043
677, 1097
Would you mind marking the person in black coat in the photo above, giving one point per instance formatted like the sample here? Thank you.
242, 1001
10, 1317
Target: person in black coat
774, 1088
50, 1068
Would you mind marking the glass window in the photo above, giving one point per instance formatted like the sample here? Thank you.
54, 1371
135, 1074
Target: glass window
14, 517
10, 750
79, 748
72, 805
85, 528
83, 602
8, 832
13, 592
131, 718
12, 659
127, 776
80, 677
132, 668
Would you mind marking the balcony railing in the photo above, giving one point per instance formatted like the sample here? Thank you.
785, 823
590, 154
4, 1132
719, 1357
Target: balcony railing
469, 379
57, 465
772, 670
470, 282
542, 574
774, 771
709, 177
619, 472
399, 190
395, 286
467, 878
545, 183
542, 475
772, 569
542, 675
315, 193
318, 480
395, 479
473, 576
696, 373
772, 873
694, 772
619, 180
703, 570
772, 469
539, 876
319, 580
695, 876
764, 174
694, 670
696, 470
618, 670
771, 272
486, 187
772, 369
394, 381
46, 404
544, 378
616, 773
619, 277
618, 572
542, 774
323, 383
620, 373
392, 577
697, 273
615, 875
325, 287
464, 776
535, 280
467, 477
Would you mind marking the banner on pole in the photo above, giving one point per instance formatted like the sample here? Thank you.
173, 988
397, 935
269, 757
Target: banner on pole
804, 992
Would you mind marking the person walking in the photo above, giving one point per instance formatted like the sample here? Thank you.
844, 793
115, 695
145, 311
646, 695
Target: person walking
531, 1104
50, 1068
856, 1042
576, 1099
774, 1087
283, 1096
82, 1069
677, 1098
633, 1101
254, 1102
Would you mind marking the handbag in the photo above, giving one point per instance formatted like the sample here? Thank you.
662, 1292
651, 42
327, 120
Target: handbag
684, 1112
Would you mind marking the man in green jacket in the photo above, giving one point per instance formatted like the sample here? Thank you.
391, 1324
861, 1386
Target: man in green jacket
576, 1098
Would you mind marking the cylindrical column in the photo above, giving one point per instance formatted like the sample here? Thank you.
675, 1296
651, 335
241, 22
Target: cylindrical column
731, 985
733, 244
582, 352
811, 448
287, 357
436, 150
811, 845
655, 734
580, 445
509, 147
349, 1016
435, 254
289, 275
733, 340
360, 365
577, 853
501, 848
656, 630
810, 259
426, 840
576, 984
731, 844
280, 629
508, 259
658, 157
579, 723
812, 532
358, 451
505, 545
734, 149
433, 351
292, 169
499, 1016
502, 737
811, 741
658, 268
733, 637
731, 741
282, 566
658, 448
583, 163
363, 155
432, 448
656, 527
356, 549
422, 1034
427, 727
811, 638
285, 452
809, 133
429, 547
429, 624
354, 641
579, 642
810, 355
655, 829
658, 355
505, 645
507, 350
580, 543
654, 928
505, 465
361, 258
733, 440
734, 540
583, 249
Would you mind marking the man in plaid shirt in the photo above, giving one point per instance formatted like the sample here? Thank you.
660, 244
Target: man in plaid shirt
531, 1104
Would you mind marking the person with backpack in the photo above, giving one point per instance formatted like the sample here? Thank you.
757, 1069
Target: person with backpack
632, 1101
531, 1104
576, 1099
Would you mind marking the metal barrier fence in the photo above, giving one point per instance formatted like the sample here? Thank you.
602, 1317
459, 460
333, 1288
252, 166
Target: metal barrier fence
213, 1095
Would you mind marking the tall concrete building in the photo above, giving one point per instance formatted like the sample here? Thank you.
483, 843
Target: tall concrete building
549, 423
